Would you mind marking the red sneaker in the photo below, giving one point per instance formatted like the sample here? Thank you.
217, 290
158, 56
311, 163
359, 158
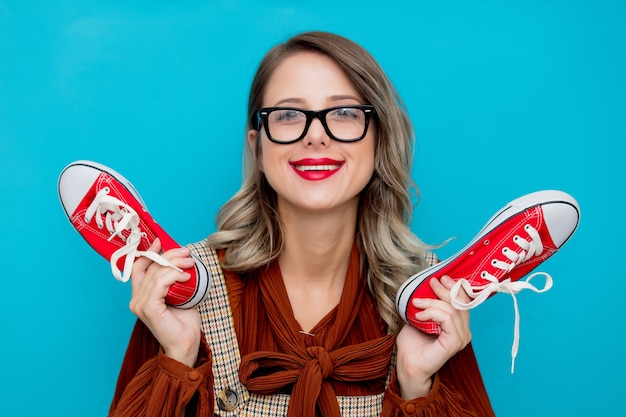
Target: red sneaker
523, 234
110, 215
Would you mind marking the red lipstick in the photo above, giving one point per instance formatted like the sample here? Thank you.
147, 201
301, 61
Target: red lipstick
315, 169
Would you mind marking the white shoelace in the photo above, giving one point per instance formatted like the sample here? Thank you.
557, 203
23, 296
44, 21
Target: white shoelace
481, 292
117, 216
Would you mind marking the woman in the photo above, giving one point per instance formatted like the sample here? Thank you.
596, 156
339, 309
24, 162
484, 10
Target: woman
306, 263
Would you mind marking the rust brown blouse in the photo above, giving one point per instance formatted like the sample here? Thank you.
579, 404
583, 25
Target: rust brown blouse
278, 359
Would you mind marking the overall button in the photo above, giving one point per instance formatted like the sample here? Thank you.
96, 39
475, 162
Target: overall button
227, 400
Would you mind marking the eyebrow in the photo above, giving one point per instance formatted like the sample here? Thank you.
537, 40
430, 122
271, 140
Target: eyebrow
289, 100
337, 97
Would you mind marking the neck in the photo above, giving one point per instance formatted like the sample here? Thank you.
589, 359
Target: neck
314, 262
317, 246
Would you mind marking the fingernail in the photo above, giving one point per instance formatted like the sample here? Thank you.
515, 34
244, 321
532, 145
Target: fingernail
419, 302
446, 279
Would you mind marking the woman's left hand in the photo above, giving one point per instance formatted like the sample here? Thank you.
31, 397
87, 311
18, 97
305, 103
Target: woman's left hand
421, 355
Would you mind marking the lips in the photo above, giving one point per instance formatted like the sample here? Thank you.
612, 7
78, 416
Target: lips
315, 169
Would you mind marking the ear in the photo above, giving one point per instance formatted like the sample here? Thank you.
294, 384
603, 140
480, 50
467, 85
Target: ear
255, 148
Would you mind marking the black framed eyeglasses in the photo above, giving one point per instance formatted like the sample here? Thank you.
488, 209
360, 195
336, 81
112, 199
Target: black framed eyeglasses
290, 124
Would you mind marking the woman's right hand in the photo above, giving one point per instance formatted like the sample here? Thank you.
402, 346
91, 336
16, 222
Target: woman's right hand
177, 330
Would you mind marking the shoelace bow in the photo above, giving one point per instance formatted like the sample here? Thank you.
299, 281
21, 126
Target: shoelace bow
479, 293
118, 216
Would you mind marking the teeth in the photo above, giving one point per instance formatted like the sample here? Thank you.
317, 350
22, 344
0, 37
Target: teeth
316, 167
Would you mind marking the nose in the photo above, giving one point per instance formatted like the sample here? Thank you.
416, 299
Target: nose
316, 134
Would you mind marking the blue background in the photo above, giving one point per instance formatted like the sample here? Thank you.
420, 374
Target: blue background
507, 98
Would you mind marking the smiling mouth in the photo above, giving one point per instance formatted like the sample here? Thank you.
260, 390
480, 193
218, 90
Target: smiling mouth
304, 168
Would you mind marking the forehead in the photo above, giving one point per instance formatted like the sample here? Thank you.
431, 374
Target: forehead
310, 78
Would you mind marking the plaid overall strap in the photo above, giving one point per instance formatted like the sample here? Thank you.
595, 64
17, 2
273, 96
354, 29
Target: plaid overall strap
217, 327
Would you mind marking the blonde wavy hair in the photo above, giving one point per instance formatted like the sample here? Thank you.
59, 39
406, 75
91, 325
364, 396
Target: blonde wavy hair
249, 226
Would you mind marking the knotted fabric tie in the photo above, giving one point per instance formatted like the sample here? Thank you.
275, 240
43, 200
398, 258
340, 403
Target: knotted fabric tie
308, 370
270, 372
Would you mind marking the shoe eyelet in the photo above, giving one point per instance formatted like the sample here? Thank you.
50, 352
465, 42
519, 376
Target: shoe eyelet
483, 274
494, 262
471, 253
505, 250
527, 227
486, 242
107, 190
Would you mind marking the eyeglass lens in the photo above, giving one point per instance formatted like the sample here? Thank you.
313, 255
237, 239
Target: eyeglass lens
344, 123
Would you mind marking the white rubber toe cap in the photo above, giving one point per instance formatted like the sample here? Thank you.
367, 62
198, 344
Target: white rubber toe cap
74, 182
561, 219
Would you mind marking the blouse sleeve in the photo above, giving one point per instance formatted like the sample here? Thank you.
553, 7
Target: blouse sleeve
152, 384
457, 390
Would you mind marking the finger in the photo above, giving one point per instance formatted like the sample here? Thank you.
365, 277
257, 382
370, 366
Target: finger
148, 298
454, 325
437, 315
142, 263
439, 311
154, 283
178, 259
439, 287
430, 307
180, 252
161, 278
461, 295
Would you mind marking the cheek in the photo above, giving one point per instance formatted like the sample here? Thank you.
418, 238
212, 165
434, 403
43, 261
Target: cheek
371, 156
271, 158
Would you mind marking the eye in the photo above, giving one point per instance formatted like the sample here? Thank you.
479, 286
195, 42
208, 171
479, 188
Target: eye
346, 113
287, 116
